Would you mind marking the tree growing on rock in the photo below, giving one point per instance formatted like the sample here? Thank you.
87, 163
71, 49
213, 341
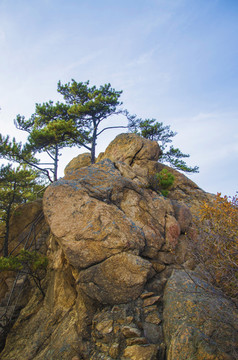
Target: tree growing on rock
153, 130
74, 123
78, 122
50, 129
89, 106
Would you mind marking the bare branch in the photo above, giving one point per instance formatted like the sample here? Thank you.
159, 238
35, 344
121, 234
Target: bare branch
112, 127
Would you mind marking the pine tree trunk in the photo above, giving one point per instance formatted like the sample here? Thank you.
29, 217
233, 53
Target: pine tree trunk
56, 163
93, 145
6, 237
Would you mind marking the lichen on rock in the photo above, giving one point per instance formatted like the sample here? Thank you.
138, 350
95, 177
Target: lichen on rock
197, 323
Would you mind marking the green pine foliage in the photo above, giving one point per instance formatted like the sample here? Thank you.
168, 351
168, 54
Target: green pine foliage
15, 152
89, 106
153, 130
9, 264
165, 181
31, 263
161, 182
50, 129
74, 123
78, 122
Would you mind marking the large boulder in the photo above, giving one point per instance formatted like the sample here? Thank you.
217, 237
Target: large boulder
139, 352
83, 219
131, 147
78, 162
141, 156
199, 323
97, 214
117, 279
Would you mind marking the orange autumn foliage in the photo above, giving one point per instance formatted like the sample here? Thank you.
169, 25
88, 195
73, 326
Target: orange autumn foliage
217, 244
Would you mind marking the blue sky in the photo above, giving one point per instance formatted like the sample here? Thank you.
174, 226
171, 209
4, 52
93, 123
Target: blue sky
175, 60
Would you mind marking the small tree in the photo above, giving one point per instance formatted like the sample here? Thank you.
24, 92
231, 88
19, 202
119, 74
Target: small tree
165, 181
28, 262
161, 182
13, 151
16, 187
50, 129
153, 130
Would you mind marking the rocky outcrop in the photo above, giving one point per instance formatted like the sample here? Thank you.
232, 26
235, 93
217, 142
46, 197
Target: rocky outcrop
198, 323
144, 162
113, 246
130, 148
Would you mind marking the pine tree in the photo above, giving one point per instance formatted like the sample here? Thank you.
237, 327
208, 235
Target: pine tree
13, 151
50, 129
90, 106
153, 130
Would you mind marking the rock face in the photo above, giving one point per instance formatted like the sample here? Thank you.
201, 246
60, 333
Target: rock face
26, 223
21, 221
129, 148
116, 280
113, 246
200, 325
27, 228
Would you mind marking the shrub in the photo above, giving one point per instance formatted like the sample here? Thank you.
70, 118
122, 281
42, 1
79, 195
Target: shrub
216, 247
162, 181
28, 262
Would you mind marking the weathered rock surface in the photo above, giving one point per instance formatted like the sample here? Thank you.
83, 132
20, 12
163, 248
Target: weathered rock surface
78, 162
130, 147
21, 222
117, 280
140, 352
86, 224
197, 323
27, 229
183, 190
27, 226
113, 246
